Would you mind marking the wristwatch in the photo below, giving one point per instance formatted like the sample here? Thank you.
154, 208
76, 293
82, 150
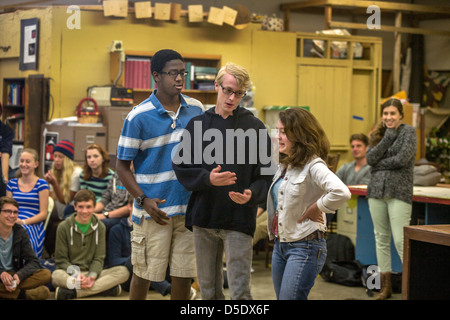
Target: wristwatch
140, 200
106, 214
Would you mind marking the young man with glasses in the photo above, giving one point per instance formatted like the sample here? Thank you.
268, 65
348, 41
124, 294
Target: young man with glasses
21, 275
151, 130
227, 185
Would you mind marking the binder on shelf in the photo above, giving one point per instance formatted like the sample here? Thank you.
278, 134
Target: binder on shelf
187, 80
137, 72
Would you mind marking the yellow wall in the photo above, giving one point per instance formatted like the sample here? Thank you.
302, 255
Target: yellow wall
80, 58
10, 36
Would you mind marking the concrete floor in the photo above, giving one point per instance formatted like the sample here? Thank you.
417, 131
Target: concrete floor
262, 288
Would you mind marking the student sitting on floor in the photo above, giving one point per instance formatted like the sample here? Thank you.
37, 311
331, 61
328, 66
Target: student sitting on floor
80, 253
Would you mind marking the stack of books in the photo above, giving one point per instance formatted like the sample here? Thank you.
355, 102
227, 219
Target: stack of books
15, 94
137, 72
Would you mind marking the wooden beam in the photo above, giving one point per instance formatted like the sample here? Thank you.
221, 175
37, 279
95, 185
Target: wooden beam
392, 6
287, 15
397, 53
328, 12
26, 3
363, 26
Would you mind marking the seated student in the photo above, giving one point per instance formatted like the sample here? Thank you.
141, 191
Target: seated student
31, 192
64, 181
96, 173
21, 275
357, 171
119, 251
80, 253
113, 206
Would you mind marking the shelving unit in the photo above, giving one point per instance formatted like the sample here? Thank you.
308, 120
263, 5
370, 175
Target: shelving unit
342, 89
25, 107
13, 112
140, 94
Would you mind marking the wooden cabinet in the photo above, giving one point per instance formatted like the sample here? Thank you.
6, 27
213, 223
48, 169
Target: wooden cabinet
340, 86
113, 118
119, 73
25, 107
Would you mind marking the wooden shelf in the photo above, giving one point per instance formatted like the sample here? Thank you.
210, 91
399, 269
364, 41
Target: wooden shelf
25, 109
203, 60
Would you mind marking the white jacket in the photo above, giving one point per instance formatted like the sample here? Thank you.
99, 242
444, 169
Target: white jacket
299, 189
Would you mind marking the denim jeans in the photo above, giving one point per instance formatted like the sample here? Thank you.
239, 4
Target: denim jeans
209, 248
295, 266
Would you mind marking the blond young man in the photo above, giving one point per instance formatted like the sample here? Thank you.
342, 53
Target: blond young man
225, 191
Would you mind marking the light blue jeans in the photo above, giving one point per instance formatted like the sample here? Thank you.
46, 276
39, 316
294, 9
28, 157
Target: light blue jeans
389, 215
209, 249
295, 266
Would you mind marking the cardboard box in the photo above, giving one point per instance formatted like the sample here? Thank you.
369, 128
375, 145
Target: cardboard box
162, 11
175, 11
143, 9
115, 8
229, 15
215, 16
195, 13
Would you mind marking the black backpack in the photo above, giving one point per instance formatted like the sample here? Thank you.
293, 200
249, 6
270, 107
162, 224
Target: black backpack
340, 265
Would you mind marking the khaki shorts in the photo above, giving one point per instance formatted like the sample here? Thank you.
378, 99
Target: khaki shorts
154, 247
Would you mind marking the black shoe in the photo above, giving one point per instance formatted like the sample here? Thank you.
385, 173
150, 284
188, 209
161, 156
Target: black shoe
65, 294
113, 292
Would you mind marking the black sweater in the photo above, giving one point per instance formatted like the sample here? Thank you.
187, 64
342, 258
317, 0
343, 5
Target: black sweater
25, 261
210, 206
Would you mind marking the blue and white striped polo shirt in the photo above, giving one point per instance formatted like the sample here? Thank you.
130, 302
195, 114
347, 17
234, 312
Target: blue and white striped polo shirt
147, 139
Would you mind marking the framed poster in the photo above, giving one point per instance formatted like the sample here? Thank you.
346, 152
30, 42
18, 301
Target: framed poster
29, 44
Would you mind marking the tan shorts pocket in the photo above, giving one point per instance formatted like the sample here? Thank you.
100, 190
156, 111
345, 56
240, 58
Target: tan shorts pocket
138, 252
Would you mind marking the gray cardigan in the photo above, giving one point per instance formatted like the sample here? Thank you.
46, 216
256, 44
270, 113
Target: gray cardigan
392, 161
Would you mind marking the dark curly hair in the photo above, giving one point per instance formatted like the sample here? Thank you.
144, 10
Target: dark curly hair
306, 134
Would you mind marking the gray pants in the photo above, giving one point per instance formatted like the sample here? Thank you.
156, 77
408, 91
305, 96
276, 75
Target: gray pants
209, 248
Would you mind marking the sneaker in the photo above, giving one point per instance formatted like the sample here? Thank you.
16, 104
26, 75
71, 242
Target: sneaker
113, 292
65, 294
39, 293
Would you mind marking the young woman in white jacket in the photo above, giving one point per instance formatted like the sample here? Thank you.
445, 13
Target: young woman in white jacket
302, 192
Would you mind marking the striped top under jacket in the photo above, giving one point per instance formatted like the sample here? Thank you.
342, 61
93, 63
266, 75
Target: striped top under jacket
148, 136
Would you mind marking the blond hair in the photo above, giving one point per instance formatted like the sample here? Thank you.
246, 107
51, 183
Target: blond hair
238, 72
64, 177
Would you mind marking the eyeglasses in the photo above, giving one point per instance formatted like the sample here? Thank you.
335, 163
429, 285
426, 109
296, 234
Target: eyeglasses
8, 211
229, 92
174, 74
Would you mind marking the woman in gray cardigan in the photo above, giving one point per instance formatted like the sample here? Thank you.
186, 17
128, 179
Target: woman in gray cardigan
391, 154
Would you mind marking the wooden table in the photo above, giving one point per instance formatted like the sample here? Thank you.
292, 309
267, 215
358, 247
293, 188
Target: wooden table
426, 262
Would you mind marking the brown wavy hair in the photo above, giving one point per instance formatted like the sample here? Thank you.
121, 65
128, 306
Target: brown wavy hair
87, 172
378, 132
306, 134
